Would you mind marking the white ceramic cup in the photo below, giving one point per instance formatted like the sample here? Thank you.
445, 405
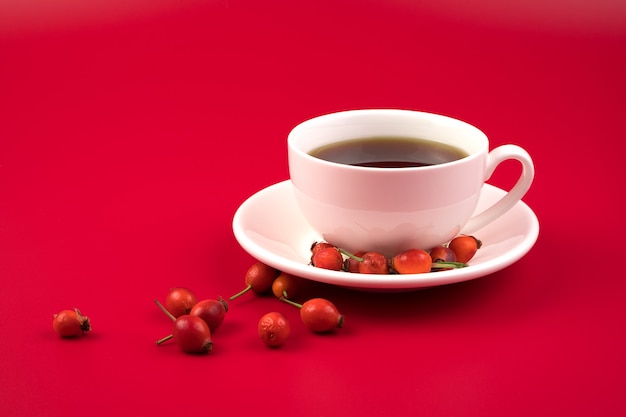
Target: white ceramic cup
393, 209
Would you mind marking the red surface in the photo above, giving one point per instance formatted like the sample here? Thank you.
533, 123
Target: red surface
131, 131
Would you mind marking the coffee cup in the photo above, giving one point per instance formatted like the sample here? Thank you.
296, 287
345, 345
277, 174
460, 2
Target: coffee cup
388, 180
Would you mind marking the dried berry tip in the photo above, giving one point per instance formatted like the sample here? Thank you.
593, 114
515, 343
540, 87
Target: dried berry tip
85, 324
224, 303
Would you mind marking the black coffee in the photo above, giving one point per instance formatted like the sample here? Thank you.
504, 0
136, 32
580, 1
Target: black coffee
389, 152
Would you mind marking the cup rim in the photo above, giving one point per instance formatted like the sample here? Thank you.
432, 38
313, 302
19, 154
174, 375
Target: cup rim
291, 138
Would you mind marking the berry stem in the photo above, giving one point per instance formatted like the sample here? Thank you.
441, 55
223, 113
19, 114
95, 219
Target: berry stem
242, 292
165, 339
288, 301
163, 309
349, 255
438, 265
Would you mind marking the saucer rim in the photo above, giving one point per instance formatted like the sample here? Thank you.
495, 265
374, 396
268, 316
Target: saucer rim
381, 281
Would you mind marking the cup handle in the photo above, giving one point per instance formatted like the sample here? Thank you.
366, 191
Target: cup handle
495, 157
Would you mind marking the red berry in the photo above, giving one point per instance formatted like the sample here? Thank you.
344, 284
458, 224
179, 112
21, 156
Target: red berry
180, 301
351, 264
191, 334
285, 285
464, 247
259, 279
374, 263
327, 258
70, 323
412, 261
319, 245
442, 254
211, 311
320, 315
273, 329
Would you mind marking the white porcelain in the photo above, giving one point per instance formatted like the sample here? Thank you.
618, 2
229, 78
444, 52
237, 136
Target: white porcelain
271, 228
389, 210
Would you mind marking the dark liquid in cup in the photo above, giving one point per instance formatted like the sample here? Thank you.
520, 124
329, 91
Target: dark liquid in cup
389, 152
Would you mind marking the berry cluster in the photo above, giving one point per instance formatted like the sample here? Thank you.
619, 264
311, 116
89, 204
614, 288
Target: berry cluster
194, 321
318, 314
455, 254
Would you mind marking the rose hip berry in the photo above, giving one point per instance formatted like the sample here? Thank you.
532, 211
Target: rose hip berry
259, 279
285, 285
70, 323
191, 334
211, 311
319, 314
412, 261
327, 257
316, 246
374, 263
351, 264
180, 301
442, 254
274, 329
464, 247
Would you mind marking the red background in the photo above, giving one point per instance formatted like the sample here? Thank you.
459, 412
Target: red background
130, 132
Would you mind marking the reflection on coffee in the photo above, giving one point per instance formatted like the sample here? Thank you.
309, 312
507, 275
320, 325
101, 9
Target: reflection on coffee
389, 152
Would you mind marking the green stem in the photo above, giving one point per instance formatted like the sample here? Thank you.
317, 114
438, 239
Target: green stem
288, 301
349, 255
163, 309
438, 265
245, 290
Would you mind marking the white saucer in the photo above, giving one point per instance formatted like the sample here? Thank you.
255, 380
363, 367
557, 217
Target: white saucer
269, 226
